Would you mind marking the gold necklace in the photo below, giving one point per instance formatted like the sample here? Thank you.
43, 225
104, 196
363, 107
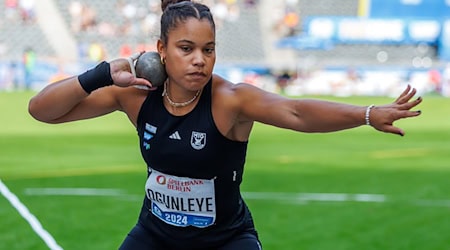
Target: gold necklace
178, 104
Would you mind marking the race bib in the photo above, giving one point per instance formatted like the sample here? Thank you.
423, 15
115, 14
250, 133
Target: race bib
181, 201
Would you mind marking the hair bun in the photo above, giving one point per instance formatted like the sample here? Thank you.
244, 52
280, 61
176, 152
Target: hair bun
165, 3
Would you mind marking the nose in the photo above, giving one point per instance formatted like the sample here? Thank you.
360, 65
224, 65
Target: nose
198, 59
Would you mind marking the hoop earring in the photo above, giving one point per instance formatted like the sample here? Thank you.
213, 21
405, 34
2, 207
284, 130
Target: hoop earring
163, 61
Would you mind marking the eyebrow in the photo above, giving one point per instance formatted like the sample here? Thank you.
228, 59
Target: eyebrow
191, 42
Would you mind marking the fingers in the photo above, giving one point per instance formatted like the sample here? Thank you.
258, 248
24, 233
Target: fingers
386, 124
410, 95
412, 104
132, 67
407, 114
407, 94
145, 87
136, 55
399, 110
404, 99
395, 130
142, 83
409, 105
132, 59
389, 128
141, 87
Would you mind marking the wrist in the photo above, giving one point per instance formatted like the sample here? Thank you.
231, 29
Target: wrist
96, 78
367, 115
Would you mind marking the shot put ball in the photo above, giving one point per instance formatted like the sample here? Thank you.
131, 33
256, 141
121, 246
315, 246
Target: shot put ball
149, 66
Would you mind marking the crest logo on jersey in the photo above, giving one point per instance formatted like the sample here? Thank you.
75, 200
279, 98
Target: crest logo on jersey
198, 140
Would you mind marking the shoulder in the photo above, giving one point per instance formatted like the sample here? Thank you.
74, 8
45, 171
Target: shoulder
238, 93
224, 92
228, 102
224, 87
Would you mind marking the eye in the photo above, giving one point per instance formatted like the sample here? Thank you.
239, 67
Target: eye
185, 48
209, 50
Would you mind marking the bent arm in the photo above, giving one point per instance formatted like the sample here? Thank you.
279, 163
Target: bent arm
66, 100
69, 100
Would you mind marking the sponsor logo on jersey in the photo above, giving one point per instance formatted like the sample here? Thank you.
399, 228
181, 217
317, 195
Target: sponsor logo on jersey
175, 136
161, 179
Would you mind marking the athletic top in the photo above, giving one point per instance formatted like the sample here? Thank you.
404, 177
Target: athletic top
194, 173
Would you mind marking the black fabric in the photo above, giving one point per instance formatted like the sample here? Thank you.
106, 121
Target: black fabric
141, 238
220, 159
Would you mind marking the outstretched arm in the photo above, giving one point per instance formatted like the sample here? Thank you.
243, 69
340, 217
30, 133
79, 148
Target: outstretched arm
309, 115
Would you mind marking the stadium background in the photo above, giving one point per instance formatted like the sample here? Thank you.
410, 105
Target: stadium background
355, 189
345, 47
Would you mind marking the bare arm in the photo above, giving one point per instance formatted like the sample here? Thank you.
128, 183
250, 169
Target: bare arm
56, 99
66, 100
309, 115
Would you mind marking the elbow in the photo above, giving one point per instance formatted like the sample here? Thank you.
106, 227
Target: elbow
36, 111
33, 109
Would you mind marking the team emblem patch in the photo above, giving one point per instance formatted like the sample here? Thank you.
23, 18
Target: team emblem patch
198, 140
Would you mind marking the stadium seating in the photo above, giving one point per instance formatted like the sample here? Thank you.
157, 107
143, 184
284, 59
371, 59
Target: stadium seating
238, 41
248, 40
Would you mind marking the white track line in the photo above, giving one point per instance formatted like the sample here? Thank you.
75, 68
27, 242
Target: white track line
75, 191
304, 197
30, 218
295, 198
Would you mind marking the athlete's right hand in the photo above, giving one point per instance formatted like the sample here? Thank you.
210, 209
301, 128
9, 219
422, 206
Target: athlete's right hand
123, 72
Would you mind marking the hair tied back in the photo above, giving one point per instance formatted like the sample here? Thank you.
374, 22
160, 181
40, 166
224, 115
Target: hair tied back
166, 3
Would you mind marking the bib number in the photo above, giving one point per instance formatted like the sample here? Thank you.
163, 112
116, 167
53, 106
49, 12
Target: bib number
177, 219
181, 201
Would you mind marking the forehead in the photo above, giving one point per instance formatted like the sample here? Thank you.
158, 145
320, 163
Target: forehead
192, 29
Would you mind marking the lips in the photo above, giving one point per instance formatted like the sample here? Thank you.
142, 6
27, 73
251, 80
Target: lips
197, 75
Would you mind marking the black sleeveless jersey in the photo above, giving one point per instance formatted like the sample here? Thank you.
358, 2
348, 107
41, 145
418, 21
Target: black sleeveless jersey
192, 146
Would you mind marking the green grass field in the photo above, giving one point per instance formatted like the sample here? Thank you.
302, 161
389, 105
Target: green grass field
412, 173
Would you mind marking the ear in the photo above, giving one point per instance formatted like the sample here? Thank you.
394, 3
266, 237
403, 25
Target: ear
161, 48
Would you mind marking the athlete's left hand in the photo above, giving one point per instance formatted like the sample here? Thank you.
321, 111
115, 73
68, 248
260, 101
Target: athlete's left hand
383, 117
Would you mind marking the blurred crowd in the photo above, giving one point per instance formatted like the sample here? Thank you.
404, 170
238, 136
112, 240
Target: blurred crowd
20, 10
140, 19
133, 18
136, 20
